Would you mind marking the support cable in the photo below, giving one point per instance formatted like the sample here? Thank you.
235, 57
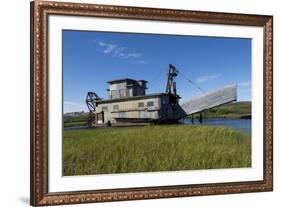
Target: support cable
190, 81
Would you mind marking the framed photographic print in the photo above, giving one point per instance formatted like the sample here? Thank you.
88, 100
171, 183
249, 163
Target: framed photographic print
134, 103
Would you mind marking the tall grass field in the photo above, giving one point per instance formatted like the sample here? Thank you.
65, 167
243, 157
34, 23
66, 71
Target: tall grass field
154, 148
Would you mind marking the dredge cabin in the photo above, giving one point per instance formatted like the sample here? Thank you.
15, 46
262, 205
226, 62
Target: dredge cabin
128, 103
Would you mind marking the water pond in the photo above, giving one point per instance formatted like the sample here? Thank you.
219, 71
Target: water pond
243, 125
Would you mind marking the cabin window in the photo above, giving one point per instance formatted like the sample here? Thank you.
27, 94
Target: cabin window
113, 94
115, 107
104, 108
143, 114
122, 115
150, 103
141, 104
130, 92
121, 93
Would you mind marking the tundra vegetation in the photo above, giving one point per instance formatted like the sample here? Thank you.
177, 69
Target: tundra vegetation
154, 148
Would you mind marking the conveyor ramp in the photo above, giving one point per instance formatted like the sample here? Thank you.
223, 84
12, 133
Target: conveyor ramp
210, 100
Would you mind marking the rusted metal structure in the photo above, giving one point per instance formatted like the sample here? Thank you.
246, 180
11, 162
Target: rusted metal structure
128, 103
91, 100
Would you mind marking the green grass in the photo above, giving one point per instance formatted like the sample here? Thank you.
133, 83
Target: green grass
154, 148
235, 110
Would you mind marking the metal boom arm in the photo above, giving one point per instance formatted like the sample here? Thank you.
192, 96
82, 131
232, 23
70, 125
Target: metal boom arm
91, 99
171, 84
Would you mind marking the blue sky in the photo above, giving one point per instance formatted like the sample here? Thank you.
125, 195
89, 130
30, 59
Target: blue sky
90, 59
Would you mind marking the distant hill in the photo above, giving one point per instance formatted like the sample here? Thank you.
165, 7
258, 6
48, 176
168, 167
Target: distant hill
75, 119
75, 114
241, 109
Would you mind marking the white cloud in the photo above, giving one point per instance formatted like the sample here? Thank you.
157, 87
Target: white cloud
107, 48
134, 55
244, 84
117, 51
69, 106
141, 62
205, 78
70, 103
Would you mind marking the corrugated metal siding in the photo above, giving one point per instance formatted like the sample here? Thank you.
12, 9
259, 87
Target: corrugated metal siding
130, 109
210, 100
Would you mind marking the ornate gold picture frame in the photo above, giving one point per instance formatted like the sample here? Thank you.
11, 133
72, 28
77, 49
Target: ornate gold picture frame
40, 13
